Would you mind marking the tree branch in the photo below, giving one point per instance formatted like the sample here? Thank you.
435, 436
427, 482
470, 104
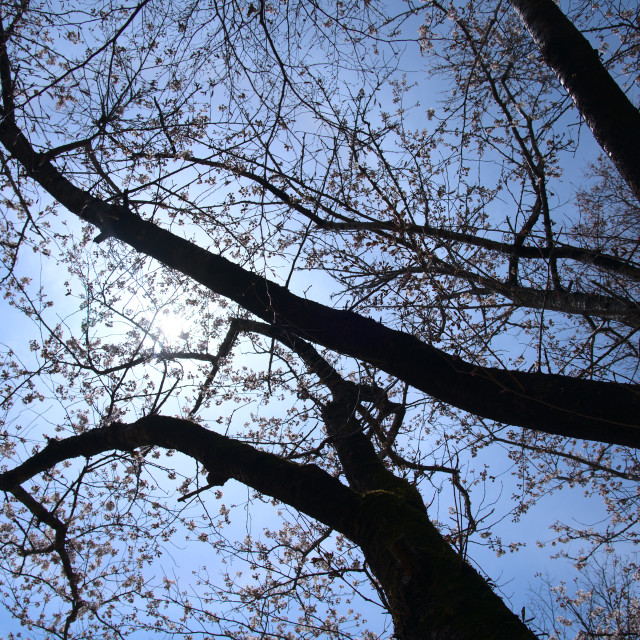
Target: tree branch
517, 248
612, 118
305, 487
604, 411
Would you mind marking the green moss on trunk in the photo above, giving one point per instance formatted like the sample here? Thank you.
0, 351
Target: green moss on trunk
432, 592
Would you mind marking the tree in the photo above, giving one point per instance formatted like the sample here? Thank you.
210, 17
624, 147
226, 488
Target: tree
222, 151
605, 602
611, 116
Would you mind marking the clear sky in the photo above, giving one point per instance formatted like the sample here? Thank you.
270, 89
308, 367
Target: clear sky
140, 309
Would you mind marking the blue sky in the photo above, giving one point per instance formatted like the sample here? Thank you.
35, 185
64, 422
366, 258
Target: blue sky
513, 572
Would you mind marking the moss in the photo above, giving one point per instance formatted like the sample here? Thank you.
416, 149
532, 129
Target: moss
431, 591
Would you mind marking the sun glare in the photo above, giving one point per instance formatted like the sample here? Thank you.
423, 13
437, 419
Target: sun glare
172, 327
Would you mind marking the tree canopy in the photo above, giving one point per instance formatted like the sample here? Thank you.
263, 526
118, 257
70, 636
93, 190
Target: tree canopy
344, 254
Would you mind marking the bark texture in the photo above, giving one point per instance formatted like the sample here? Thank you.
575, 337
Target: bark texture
430, 591
613, 119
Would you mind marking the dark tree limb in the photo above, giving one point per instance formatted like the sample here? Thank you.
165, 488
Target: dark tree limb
622, 310
603, 411
431, 593
612, 118
304, 487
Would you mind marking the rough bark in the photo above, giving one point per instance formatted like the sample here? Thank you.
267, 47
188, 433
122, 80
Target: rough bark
613, 119
430, 591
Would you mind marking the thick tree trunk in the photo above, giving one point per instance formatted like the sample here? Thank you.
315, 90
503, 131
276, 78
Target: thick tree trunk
613, 119
430, 592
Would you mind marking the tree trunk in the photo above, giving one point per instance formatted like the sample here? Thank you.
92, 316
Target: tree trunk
613, 119
430, 590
